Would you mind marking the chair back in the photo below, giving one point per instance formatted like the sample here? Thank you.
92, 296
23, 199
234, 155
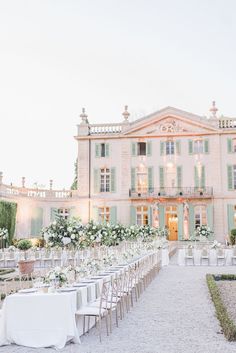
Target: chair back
204, 252
104, 295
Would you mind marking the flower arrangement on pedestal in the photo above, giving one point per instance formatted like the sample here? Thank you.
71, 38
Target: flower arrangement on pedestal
147, 233
63, 233
57, 276
203, 232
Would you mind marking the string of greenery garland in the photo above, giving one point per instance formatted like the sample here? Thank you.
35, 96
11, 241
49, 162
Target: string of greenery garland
8, 218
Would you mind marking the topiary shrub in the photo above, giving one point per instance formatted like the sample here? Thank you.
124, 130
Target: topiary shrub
24, 245
233, 236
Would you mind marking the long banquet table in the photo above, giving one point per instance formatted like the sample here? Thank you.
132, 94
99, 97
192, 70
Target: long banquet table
48, 319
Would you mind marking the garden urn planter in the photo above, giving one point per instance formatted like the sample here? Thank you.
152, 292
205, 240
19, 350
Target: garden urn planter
26, 267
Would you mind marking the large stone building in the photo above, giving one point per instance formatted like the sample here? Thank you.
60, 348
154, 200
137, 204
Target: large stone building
170, 168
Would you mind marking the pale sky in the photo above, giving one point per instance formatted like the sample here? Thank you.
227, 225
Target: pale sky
57, 56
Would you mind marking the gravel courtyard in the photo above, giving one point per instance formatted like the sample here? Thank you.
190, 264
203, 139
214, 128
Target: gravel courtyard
174, 315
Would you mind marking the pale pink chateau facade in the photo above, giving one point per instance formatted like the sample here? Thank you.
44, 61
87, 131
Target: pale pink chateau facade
170, 168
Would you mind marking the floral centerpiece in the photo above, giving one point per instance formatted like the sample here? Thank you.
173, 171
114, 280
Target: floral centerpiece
63, 233
163, 232
3, 236
203, 232
147, 233
92, 234
57, 276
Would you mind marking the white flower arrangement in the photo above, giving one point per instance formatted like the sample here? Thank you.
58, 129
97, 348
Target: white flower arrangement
63, 233
203, 231
56, 276
3, 233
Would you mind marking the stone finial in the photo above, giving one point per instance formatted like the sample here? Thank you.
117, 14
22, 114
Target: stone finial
84, 116
23, 182
213, 109
1, 177
50, 183
126, 114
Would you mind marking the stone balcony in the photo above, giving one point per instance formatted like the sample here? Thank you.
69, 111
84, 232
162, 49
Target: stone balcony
185, 192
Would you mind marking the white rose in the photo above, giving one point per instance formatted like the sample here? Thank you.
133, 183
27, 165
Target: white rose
72, 236
69, 229
66, 241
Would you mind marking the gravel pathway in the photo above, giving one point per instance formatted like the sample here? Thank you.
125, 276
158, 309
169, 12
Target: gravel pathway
174, 315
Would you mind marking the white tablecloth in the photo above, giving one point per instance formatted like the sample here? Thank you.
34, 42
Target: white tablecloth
165, 257
39, 320
197, 257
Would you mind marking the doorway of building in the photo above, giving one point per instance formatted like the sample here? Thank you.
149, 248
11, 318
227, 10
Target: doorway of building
172, 222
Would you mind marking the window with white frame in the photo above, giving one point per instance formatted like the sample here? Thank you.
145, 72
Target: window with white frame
64, 212
105, 180
104, 214
103, 150
198, 146
234, 177
142, 178
141, 151
170, 147
200, 216
142, 215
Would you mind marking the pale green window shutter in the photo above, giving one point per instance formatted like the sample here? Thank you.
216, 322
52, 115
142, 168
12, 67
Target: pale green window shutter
133, 220
150, 216
162, 148
180, 213
210, 216
161, 177
161, 211
229, 145
190, 146
107, 150
150, 179
97, 150
206, 146
230, 211
179, 176
72, 211
191, 220
196, 177
113, 214
230, 177
95, 214
149, 148
113, 179
97, 181
134, 149
53, 214
133, 177
178, 151
37, 221
203, 178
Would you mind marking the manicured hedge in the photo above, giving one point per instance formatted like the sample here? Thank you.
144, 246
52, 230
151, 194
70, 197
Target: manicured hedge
228, 326
8, 218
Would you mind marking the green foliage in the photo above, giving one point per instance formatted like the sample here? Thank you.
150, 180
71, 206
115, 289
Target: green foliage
8, 218
24, 244
74, 186
233, 236
228, 326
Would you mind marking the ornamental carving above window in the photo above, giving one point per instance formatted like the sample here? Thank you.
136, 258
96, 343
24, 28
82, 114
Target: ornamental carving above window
170, 126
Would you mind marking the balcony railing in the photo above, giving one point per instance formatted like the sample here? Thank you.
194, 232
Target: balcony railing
101, 129
171, 192
225, 123
13, 191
